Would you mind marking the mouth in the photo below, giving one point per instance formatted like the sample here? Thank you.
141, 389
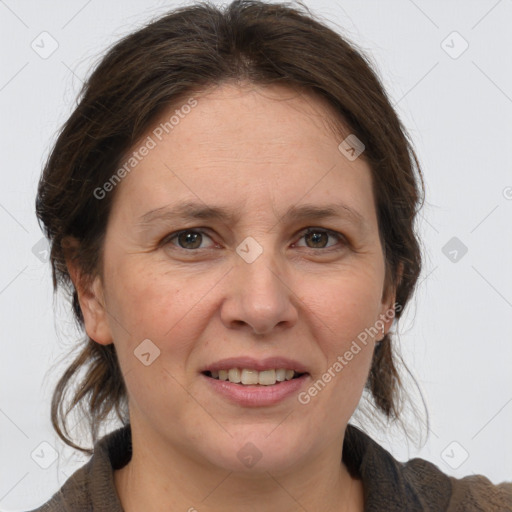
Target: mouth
252, 382
252, 377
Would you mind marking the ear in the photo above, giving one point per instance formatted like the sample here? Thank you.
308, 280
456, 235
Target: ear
90, 296
387, 312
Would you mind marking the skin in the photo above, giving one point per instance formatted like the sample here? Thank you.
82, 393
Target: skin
259, 150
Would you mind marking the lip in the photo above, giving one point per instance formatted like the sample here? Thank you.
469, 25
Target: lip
260, 365
256, 395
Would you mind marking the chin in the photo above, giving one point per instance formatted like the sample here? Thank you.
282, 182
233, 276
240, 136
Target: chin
256, 450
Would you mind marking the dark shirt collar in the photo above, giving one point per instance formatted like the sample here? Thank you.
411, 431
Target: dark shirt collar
389, 485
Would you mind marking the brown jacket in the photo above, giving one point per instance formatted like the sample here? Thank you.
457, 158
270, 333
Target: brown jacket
389, 485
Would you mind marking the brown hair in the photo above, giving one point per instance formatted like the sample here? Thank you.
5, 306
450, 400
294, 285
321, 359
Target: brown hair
148, 71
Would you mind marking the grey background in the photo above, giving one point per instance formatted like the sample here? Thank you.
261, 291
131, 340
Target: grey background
456, 336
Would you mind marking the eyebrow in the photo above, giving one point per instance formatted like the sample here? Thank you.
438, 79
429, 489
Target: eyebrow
190, 210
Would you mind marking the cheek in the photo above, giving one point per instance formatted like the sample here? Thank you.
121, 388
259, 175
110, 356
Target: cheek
149, 302
348, 304
345, 314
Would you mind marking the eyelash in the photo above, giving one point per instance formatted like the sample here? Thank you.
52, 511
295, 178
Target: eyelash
169, 238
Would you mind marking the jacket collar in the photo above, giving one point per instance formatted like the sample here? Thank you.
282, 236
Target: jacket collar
388, 484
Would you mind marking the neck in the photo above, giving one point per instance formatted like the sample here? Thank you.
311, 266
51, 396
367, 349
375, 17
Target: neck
156, 481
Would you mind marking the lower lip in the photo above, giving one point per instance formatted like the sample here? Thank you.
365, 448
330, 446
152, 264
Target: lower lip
256, 395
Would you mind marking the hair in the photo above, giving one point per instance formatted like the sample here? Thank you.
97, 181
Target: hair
145, 73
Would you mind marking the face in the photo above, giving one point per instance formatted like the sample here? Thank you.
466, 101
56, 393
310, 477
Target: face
269, 285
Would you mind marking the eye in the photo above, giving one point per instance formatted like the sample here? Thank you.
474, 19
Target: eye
318, 238
189, 239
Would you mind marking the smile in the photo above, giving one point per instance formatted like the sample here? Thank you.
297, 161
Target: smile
255, 395
249, 377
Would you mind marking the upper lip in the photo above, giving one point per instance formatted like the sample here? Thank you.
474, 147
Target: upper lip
260, 365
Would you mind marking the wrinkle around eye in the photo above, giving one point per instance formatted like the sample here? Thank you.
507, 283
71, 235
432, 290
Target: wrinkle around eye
332, 234
175, 236
343, 242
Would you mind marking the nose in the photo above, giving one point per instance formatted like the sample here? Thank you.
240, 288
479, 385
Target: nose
259, 297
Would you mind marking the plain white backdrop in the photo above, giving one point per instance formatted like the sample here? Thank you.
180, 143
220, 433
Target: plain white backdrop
447, 67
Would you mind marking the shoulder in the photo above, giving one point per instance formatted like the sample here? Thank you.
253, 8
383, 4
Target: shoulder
91, 487
474, 493
418, 485
478, 493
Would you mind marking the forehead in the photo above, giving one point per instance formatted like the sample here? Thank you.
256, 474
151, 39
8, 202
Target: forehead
244, 147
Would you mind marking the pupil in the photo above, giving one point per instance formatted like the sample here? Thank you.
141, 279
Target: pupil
315, 236
190, 237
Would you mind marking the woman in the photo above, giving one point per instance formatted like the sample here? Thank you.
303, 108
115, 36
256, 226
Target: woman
232, 207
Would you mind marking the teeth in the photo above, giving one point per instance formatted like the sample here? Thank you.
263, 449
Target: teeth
251, 377
280, 374
267, 377
234, 375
